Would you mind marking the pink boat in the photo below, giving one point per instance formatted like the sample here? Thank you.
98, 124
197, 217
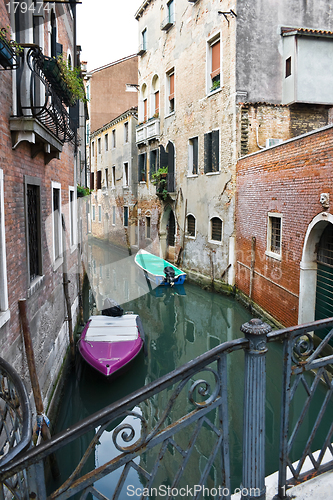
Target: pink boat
109, 343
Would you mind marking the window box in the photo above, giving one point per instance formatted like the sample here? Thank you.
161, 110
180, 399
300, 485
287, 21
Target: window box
53, 75
6, 54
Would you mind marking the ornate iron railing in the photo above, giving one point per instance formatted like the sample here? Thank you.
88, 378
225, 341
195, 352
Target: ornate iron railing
39, 98
183, 417
15, 427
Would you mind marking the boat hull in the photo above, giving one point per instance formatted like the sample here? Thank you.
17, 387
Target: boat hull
108, 357
153, 268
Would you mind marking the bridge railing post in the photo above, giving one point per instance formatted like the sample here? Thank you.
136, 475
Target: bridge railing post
253, 479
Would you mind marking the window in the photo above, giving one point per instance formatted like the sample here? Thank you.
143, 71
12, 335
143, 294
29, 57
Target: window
56, 220
92, 180
113, 216
72, 218
288, 67
214, 64
170, 16
126, 136
106, 177
147, 227
216, 229
126, 216
113, 138
93, 149
153, 162
193, 156
144, 40
274, 235
99, 150
3, 264
211, 151
106, 139
93, 213
113, 177
99, 213
126, 178
171, 91
190, 226
99, 179
33, 226
142, 167
156, 96
145, 110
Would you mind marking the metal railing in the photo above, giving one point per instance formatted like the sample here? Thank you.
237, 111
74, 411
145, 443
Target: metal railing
149, 427
39, 98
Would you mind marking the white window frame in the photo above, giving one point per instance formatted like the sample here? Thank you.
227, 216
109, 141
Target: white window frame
93, 213
106, 142
72, 211
4, 308
57, 260
210, 42
167, 86
216, 242
113, 177
113, 139
269, 252
99, 213
190, 157
126, 132
148, 216
126, 177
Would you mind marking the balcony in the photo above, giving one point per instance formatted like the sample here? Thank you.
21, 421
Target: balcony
148, 131
168, 22
41, 118
142, 49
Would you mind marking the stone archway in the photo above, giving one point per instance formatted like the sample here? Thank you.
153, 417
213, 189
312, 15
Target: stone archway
308, 268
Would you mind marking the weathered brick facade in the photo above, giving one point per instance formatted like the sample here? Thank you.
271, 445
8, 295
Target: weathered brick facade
286, 180
26, 160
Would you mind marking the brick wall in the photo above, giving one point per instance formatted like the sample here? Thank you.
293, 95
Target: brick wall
287, 179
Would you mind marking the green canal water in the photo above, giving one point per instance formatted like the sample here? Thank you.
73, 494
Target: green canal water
179, 325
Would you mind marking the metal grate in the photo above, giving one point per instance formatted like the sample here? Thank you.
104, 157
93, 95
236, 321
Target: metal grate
325, 252
191, 225
275, 234
33, 230
216, 227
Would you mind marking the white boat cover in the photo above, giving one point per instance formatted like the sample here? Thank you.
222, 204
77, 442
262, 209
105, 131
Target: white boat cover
112, 329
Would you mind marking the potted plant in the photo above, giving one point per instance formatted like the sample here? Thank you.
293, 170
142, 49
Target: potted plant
82, 191
9, 49
67, 81
159, 179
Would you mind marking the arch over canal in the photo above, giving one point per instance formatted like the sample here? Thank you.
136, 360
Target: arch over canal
309, 266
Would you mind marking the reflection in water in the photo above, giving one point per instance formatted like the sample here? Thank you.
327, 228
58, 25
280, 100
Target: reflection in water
180, 323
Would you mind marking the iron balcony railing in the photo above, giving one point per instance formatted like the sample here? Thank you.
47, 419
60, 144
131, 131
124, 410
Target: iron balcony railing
39, 97
180, 423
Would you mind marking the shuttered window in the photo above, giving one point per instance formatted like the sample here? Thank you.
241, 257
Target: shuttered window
157, 102
153, 162
211, 153
92, 180
33, 220
145, 110
215, 60
171, 77
216, 229
99, 179
125, 216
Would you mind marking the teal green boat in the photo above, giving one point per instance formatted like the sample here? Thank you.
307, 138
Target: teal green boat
159, 271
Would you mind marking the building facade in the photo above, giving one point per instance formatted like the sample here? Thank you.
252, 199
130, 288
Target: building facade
216, 82
284, 261
38, 159
114, 181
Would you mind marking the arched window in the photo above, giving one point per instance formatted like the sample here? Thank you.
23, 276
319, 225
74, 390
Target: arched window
156, 96
216, 229
191, 226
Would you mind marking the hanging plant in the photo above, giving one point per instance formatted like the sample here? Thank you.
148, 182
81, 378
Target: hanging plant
9, 49
159, 179
72, 78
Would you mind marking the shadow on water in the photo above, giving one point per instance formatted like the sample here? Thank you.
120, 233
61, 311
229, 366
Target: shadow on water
179, 324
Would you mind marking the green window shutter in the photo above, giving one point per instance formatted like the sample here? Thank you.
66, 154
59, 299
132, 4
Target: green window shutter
215, 150
207, 153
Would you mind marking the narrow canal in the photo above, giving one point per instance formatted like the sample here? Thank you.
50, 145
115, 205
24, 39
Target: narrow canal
180, 324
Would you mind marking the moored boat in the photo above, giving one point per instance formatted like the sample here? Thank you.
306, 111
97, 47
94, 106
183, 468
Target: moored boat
109, 343
159, 271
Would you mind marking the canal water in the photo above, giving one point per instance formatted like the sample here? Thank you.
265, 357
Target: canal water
180, 324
